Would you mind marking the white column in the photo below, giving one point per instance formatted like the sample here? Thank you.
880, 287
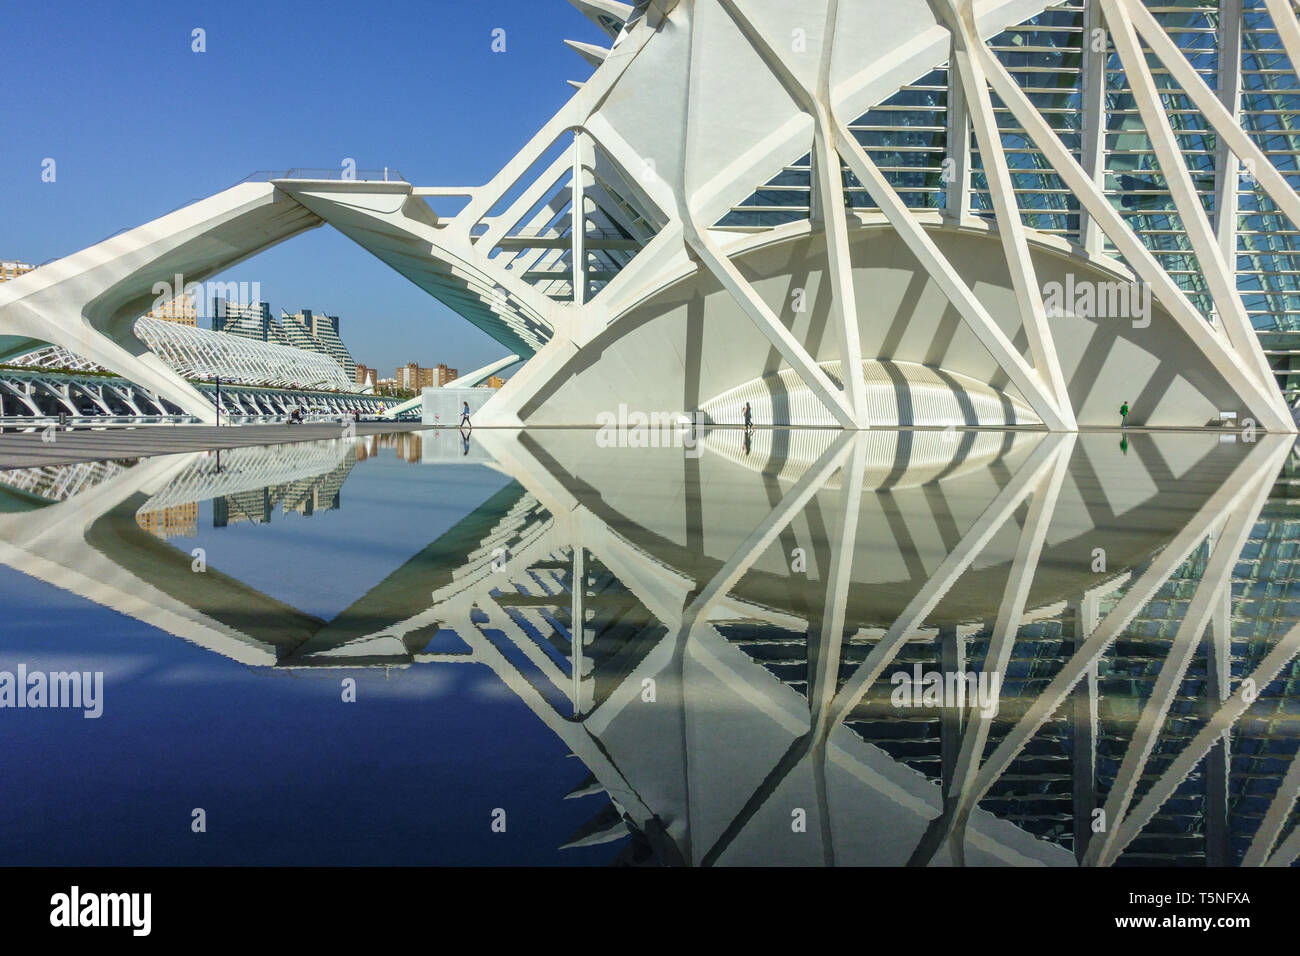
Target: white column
1084, 728
1264, 397
1092, 155
1011, 229
957, 182
828, 183
578, 622
1220, 276
1288, 30
579, 227
1225, 163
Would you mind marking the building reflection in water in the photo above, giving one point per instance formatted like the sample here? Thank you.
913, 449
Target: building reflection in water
722, 638
408, 446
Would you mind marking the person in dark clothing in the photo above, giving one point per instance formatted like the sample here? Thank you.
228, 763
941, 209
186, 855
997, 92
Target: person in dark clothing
749, 417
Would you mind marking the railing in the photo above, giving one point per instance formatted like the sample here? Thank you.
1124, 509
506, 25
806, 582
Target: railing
385, 175
30, 423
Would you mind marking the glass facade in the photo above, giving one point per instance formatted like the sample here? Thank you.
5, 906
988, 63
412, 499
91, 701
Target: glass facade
907, 135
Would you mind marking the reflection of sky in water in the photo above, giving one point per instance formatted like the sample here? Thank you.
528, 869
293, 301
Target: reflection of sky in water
689, 582
322, 563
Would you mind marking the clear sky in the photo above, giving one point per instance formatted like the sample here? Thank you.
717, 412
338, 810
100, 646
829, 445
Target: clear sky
138, 124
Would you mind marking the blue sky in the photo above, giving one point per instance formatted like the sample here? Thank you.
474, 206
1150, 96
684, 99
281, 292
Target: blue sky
139, 124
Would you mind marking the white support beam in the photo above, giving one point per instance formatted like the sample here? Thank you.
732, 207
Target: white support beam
824, 680
1218, 764
956, 186
952, 285
739, 288
572, 733
578, 225
1279, 811
1226, 174
594, 55
1284, 651
1287, 853
470, 379
752, 548
990, 521
575, 113
1092, 113
1219, 117
1011, 228
1263, 399
500, 619
498, 226
829, 185
1011, 613
1206, 600
1085, 729
1283, 16
767, 322
578, 625
828, 193
1263, 460
957, 783
1220, 276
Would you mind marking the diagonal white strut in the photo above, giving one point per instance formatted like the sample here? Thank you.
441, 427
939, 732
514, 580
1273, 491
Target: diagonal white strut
1236, 372
1220, 277
1011, 228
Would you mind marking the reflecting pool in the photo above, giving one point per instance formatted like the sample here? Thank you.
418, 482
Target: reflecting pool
767, 647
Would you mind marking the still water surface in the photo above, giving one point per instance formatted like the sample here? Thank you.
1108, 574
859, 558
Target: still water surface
801, 647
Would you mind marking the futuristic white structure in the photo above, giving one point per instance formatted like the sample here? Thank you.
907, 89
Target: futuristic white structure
618, 251
199, 353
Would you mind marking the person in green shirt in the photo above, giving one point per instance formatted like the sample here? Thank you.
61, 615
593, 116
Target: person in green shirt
1123, 415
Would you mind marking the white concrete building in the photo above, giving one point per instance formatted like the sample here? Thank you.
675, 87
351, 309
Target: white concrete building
851, 214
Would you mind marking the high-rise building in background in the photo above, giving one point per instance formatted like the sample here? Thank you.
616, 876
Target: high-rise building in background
182, 310
317, 333
307, 330
495, 381
413, 378
11, 269
366, 376
251, 321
